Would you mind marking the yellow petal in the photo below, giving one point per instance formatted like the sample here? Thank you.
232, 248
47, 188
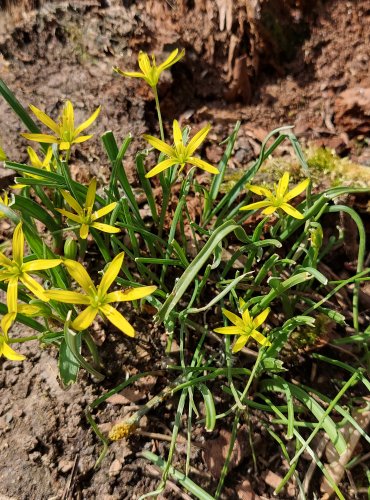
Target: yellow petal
236, 320
177, 135
6, 322
282, 185
260, 190
85, 318
38, 265
240, 343
68, 117
106, 228
229, 330
131, 74
80, 139
173, 58
246, 318
269, 210
88, 122
4, 261
297, 190
9, 353
291, 211
47, 159
144, 63
197, 140
45, 119
261, 339
131, 294
68, 297
163, 165
18, 244
202, 164
35, 160
160, 145
63, 145
79, 273
90, 196
12, 294
34, 287
69, 215
110, 274
49, 139
84, 231
118, 320
103, 211
261, 318
72, 202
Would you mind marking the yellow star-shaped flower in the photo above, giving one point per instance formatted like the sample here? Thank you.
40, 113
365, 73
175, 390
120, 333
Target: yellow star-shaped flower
97, 299
150, 71
180, 154
13, 271
244, 326
279, 199
5, 349
65, 132
85, 215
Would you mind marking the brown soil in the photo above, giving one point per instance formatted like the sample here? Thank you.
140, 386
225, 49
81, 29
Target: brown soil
66, 50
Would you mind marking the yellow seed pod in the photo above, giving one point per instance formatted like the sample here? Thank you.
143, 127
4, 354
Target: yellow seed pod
122, 430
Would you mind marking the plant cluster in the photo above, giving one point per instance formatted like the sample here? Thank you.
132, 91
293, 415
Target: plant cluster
270, 293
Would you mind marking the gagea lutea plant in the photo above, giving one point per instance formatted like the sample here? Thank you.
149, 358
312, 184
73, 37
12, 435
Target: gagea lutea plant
237, 320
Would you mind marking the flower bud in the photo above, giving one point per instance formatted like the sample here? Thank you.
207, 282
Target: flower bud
70, 248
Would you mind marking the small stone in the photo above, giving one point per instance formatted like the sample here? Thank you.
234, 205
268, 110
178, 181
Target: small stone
65, 466
115, 468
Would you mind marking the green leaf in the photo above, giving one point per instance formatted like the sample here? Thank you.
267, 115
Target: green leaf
68, 365
209, 406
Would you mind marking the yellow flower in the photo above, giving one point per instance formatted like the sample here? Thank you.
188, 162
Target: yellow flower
65, 132
152, 72
2, 154
5, 201
97, 299
245, 327
85, 215
279, 199
11, 271
5, 349
37, 163
180, 154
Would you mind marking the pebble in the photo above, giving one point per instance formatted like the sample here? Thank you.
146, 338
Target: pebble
65, 466
115, 468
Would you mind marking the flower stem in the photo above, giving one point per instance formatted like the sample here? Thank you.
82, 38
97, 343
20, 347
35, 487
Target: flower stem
24, 339
155, 92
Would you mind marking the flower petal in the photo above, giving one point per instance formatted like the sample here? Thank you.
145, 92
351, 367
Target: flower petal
260, 190
67, 297
197, 140
160, 145
90, 196
69, 215
240, 343
9, 353
246, 318
173, 58
110, 274
118, 320
161, 166
257, 205
103, 211
236, 320
84, 319
18, 244
131, 294
6, 322
291, 211
261, 318
131, 74
106, 228
80, 139
177, 135
282, 185
38, 265
45, 119
49, 139
202, 164
34, 287
79, 273
269, 210
297, 190
144, 63
12, 294
35, 160
84, 231
88, 122
229, 330
72, 202
261, 339
4, 261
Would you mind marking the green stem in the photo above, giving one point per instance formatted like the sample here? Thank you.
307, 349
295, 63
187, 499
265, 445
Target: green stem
24, 339
155, 92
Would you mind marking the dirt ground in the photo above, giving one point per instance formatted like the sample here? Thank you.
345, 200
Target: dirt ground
318, 81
